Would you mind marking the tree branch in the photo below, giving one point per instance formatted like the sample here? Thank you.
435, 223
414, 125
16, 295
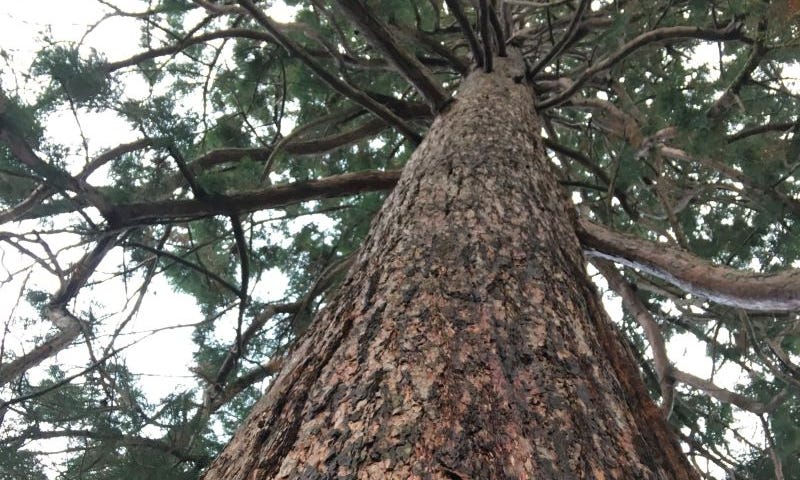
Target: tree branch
667, 33
466, 28
339, 86
486, 37
272, 197
69, 325
752, 291
655, 337
407, 65
563, 42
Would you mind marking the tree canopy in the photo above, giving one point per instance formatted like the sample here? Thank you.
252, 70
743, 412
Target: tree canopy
249, 152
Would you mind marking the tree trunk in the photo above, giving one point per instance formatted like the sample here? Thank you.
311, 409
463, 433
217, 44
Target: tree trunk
467, 341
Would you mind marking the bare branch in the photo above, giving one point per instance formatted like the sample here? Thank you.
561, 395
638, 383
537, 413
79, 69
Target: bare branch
112, 154
655, 337
272, 197
721, 394
752, 291
69, 325
178, 259
216, 391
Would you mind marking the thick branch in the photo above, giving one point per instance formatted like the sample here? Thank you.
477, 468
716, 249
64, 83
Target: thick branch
486, 37
112, 154
216, 394
56, 178
759, 129
25, 205
721, 394
128, 440
272, 197
753, 291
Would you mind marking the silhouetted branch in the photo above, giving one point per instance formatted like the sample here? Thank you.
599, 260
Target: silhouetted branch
338, 85
667, 33
407, 65
563, 42
271, 197
69, 325
466, 29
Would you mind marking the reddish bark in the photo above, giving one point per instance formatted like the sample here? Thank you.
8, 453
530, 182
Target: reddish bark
467, 341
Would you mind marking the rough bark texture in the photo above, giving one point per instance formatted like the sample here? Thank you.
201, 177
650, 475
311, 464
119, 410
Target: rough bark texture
467, 341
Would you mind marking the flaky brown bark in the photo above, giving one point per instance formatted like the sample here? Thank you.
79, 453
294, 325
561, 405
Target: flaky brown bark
467, 341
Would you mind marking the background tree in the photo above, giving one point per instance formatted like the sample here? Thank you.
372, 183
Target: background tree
257, 146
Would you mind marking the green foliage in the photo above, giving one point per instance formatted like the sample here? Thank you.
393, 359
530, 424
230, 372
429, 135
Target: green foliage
16, 464
73, 78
